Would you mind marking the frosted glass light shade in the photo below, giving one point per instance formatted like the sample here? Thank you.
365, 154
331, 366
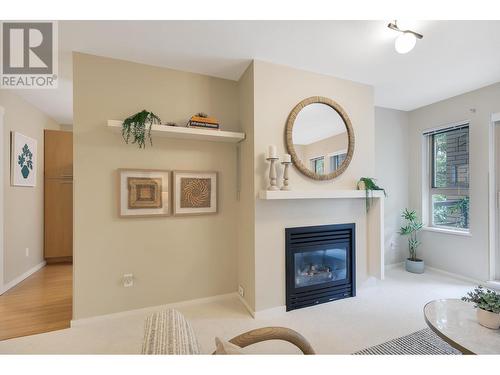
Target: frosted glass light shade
405, 42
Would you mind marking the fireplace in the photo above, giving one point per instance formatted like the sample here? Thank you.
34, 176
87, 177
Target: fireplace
320, 264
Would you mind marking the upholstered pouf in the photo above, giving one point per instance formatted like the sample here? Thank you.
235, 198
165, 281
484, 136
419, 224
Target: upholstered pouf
168, 332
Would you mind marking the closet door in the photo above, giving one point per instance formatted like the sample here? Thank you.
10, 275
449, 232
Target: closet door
58, 219
58, 154
58, 207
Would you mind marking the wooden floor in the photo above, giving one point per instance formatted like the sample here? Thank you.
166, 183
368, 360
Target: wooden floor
41, 303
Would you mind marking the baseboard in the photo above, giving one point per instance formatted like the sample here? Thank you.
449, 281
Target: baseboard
58, 260
151, 309
247, 306
20, 278
269, 313
456, 276
394, 265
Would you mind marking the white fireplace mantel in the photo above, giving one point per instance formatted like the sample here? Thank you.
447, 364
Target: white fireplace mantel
375, 218
317, 194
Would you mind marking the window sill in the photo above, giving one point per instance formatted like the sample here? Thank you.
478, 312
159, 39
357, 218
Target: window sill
493, 284
448, 231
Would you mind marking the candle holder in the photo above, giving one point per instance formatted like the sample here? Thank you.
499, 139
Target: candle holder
285, 175
272, 174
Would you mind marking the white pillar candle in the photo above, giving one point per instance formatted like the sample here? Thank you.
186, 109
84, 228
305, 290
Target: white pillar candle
272, 152
287, 158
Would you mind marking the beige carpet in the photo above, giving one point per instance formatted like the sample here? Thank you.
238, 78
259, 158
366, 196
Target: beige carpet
382, 310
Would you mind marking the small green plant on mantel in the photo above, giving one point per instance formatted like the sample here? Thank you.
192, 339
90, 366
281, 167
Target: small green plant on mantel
484, 299
413, 225
138, 127
368, 185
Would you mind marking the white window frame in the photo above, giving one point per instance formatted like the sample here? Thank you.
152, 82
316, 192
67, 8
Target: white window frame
317, 158
329, 156
427, 181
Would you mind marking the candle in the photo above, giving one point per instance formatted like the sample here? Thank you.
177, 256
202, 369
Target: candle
272, 152
287, 158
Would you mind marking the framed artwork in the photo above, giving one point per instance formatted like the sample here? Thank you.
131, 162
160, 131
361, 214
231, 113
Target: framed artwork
23, 160
195, 193
143, 192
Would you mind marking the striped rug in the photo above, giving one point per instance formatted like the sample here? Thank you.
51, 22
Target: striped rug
423, 342
168, 332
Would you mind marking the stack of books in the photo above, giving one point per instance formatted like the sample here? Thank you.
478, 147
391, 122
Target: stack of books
200, 122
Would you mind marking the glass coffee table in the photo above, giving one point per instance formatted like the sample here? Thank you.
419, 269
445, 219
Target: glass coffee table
455, 322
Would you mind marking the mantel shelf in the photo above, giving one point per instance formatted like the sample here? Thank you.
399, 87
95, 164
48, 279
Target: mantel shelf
186, 133
316, 194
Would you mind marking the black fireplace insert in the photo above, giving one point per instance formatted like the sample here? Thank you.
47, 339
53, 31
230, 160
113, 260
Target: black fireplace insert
320, 264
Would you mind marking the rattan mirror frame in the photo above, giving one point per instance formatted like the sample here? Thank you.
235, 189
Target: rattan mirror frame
289, 140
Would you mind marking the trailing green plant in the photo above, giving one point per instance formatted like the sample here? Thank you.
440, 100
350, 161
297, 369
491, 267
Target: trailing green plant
413, 225
484, 299
369, 187
138, 127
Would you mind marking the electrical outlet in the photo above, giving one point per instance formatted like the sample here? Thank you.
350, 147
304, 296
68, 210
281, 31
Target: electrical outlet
241, 291
128, 280
27, 251
394, 244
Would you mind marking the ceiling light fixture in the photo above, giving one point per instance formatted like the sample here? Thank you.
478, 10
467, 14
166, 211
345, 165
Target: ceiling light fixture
406, 40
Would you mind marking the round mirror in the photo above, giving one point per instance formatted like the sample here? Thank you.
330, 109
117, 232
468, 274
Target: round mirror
320, 138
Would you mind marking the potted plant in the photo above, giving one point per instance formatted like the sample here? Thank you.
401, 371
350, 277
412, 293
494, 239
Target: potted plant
368, 185
137, 125
413, 225
487, 303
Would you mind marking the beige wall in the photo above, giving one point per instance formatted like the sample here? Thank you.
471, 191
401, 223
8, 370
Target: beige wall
171, 258
244, 244
467, 256
391, 170
23, 206
246, 209
67, 127
277, 90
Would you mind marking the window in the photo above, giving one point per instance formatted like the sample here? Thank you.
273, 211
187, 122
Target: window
336, 161
449, 177
318, 165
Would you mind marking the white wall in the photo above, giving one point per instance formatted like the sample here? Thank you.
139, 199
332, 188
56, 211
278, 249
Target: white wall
391, 170
467, 256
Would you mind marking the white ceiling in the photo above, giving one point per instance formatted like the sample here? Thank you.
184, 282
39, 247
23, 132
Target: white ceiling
316, 122
453, 57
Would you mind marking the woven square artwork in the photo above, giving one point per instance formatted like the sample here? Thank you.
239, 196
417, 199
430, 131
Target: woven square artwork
195, 193
144, 192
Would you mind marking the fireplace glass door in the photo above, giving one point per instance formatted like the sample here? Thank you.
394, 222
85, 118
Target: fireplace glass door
321, 266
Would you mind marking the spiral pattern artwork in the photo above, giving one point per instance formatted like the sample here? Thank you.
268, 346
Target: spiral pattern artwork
195, 192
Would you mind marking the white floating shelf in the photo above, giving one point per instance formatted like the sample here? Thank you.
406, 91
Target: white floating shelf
186, 133
316, 194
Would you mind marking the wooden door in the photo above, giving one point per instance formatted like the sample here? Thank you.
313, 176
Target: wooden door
58, 207
58, 154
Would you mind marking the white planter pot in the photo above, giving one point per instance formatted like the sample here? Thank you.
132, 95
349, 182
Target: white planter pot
415, 266
488, 319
